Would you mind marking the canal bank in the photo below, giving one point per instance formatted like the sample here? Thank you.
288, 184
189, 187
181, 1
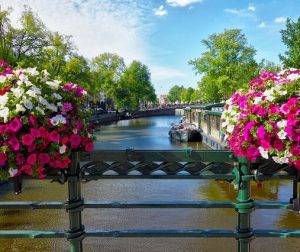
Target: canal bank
100, 118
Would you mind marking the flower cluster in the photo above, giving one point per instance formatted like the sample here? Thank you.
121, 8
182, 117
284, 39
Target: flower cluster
41, 122
264, 119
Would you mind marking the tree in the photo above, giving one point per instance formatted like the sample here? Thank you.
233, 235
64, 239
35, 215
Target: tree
22, 46
227, 65
6, 37
186, 95
269, 66
77, 70
55, 56
136, 86
174, 94
291, 38
107, 69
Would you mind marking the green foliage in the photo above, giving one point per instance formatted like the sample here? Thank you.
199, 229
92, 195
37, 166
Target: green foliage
175, 93
227, 65
291, 38
107, 69
186, 94
136, 86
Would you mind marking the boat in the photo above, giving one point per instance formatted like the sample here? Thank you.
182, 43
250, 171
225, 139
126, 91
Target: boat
185, 132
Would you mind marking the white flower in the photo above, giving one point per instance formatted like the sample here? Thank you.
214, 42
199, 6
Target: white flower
281, 134
45, 73
282, 124
31, 71
43, 101
18, 91
12, 172
293, 77
62, 149
75, 131
263, 152
36, 89
287, 154
257, 100
230, 128
31, 93
28, 83
58, 119
57, 96
22, 78
27, 103
40, 110
3, 100
2, 78
20, 108
51, 107
53, 84
4, 114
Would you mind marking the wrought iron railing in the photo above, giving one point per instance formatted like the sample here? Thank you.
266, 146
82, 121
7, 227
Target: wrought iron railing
162, 164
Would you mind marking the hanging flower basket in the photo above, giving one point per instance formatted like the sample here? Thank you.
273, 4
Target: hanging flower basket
42, 121
263, 120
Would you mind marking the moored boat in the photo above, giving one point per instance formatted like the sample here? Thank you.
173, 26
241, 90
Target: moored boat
185, 132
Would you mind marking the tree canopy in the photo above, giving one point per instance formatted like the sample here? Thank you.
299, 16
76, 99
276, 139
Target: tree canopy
226, 65
291, 38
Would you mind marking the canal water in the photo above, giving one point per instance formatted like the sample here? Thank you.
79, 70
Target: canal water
147, 133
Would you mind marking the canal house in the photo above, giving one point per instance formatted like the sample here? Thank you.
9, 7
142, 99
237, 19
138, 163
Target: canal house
207, 117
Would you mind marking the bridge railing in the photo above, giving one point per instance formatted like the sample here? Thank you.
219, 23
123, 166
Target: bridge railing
161, 164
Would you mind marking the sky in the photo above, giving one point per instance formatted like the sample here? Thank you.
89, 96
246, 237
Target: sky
163, 34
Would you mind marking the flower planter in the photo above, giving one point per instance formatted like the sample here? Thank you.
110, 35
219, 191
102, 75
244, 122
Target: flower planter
42, 121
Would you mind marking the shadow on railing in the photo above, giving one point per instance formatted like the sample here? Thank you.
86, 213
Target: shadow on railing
162, 164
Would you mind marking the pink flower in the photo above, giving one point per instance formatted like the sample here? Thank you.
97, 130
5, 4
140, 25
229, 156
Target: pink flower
75, 140
26, 169
14, 143
278, 144
19, 158
31, 159
69, 86
67, 106
54, 136
3, 159
261, 132
27, 139
80, 91
252, 152
44, 158
41, 171
88, 144
297, 164
35, 133
31, 148
3, 128
15, 125
32, 119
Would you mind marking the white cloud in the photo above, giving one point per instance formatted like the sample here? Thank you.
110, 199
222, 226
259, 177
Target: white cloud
232, 11
182, 3
262, 25
162, 73
160, 11
96, 26
280, 20
251, 7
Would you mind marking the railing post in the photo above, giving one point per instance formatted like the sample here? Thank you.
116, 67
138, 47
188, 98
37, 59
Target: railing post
74, 205
244, 206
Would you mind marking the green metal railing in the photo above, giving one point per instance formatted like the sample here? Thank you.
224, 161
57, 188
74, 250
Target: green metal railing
162, 164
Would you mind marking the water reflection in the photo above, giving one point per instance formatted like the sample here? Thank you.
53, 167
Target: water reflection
148, 133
